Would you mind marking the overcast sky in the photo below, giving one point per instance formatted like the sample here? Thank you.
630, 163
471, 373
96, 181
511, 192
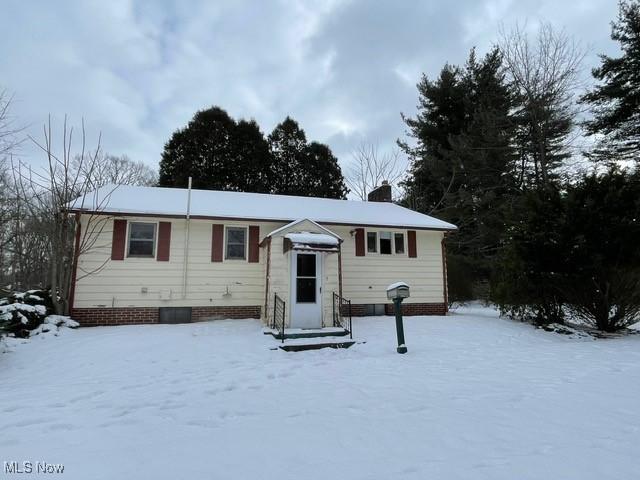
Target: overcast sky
137, 71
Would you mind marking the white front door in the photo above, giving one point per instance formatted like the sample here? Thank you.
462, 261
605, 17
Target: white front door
306, 289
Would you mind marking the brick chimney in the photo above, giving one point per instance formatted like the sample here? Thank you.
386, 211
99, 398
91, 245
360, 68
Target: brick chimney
381, 193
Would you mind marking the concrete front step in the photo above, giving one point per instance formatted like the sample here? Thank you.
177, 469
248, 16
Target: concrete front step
301, 344
291, 333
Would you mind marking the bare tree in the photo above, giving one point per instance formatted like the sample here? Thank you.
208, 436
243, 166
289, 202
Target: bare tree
8, 130
8, 143
545, 76
45, 196
116, 170
369, 169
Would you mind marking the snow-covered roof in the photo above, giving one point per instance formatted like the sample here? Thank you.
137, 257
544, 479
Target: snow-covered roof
311, 238
132, 200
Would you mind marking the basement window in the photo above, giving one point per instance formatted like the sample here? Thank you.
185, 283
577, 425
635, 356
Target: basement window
142, 239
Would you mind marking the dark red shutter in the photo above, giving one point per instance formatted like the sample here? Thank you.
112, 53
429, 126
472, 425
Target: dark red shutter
164, 241
217, 243
254, 240
119, 239
359, 242
411, 238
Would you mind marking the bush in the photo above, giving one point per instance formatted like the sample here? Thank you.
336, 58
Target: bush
575, 251
20, 318
524, 283
602, 280
20, 313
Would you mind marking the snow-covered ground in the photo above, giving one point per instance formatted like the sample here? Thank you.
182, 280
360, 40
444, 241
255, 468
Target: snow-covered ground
476, 397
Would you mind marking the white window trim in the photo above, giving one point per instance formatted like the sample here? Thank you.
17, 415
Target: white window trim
246, 243
393, 243
155, 240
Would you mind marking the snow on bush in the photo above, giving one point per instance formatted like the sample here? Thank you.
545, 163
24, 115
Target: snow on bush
20, 318
24, 314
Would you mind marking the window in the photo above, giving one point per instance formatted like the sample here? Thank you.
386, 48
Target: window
385, 243
372, 242
306, 278
236, 243
399, 242
142, 239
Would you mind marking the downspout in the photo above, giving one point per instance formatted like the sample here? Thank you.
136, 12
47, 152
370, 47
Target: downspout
185, 263
266, 283
444, 273
340, 269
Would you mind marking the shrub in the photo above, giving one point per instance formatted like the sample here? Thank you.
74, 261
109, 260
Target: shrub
20, 313
20, 318
575, 251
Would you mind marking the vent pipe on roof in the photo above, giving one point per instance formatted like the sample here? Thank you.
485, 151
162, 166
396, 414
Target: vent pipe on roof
185, 261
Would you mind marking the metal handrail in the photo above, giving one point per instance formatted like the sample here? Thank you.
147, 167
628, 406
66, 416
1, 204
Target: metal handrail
279, 307
342, 313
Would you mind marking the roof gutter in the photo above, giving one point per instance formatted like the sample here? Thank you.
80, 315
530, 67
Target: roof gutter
245, 219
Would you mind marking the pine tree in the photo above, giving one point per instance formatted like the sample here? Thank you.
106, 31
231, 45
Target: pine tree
323, 176
441, 113
304, 169
218, 153
462, 164
616, 101
288, 144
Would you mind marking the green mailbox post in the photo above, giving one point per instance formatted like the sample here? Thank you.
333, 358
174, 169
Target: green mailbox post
397, 292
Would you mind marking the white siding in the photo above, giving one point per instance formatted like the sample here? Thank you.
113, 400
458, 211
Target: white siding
120, 283
365, 279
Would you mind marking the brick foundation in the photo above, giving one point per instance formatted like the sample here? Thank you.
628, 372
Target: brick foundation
91, 317
408, 309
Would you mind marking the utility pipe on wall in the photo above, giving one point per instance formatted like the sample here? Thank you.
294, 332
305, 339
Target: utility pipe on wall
185, 264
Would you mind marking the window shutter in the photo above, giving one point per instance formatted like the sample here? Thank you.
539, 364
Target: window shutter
359, 242
119, 240
411, 239
164, 241
254, 247
217, 242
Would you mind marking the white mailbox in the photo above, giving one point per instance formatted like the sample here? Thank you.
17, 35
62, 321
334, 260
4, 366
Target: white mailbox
397, 290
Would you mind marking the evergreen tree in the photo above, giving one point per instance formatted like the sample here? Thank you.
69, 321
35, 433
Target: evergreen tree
300, 168
253, 159
462, 164
600, 238
525, 282
288, 144
574, 250
323, 176
441, 114
616, 101
218, 153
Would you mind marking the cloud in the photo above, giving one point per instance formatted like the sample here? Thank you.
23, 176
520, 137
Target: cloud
137, 71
